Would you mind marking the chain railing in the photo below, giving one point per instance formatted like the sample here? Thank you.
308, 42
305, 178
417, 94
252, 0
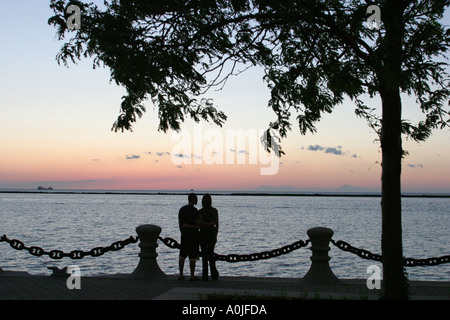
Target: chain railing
407, 262
232, 258
172, 243
75, 254
344, 246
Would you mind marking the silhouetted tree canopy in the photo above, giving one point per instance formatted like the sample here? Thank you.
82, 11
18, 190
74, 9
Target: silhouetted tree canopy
315, 53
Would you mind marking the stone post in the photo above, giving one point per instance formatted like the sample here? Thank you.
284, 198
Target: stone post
320, 271
148, 266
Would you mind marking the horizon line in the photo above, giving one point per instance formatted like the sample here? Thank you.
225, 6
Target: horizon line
222, 192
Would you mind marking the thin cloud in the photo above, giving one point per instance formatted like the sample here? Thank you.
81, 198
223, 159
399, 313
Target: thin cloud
415, 165
238, 151
315, 148
330, 150
177, 155
180, 155
337, 151
132, 156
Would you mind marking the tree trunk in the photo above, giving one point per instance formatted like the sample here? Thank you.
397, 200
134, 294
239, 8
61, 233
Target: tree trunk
391, 238
394, 281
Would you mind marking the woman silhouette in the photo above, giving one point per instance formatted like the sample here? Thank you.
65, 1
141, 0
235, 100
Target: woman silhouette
208, 236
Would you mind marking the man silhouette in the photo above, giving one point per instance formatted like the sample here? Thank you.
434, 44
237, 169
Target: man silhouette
189, 220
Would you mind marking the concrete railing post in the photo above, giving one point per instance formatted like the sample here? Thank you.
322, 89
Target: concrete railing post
320, 271
148, 266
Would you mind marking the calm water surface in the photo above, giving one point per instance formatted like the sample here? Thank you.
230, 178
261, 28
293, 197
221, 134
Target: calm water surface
248, 224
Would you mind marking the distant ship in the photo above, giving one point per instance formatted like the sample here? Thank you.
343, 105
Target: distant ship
44, 188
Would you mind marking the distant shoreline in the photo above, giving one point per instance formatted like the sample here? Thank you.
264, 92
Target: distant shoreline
225, 193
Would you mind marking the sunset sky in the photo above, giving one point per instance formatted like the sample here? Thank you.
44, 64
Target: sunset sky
55, 129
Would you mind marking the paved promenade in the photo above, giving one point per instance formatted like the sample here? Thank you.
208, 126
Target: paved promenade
22, 286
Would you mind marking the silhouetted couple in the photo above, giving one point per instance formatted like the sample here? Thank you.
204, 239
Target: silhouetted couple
198, 228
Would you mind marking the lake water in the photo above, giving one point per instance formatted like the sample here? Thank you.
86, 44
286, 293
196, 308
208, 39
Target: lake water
248, 224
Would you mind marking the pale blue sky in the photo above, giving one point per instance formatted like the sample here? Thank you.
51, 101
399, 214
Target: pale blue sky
55, 127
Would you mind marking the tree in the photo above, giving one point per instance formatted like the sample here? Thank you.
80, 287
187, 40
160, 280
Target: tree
315, 54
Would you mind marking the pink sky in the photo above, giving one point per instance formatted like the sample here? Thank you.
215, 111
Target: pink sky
55, 130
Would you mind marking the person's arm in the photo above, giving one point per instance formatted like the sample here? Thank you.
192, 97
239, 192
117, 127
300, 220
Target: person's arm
202, 223
217, 221
184, 224
180, 221
199, 222
191, 226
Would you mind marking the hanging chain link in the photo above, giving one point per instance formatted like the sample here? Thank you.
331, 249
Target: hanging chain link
262, 255
232, 258
75, 254
407, 262
359, 252
172, 243
410, 262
